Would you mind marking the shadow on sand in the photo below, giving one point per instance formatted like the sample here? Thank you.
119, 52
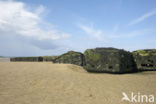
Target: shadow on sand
150, 71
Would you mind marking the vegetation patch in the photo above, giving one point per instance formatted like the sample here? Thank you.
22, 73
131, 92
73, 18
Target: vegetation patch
109, 60
71, 57
145, 59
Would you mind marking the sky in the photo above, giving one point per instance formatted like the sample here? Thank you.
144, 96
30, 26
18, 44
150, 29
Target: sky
53, 27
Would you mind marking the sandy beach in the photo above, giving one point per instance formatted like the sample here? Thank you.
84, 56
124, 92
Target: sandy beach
48, 83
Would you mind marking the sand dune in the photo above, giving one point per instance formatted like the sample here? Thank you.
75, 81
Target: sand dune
47, 83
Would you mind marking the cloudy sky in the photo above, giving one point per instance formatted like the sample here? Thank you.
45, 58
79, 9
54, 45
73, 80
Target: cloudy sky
52, 27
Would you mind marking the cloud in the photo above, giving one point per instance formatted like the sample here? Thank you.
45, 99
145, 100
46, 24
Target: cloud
40, 9
95, 33
6, 0
131, 34
24, 32
107, 36
143, 17
15, 18
15, 45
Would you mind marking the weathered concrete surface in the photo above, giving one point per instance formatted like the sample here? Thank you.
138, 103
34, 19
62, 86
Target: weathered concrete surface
109, 60
145, 59
71, 57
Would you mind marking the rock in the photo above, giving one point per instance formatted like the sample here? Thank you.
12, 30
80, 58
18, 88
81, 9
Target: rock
70, 57
145, 59
109, 60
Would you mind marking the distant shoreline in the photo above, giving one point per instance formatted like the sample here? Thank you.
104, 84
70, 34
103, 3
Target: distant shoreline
3, 59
